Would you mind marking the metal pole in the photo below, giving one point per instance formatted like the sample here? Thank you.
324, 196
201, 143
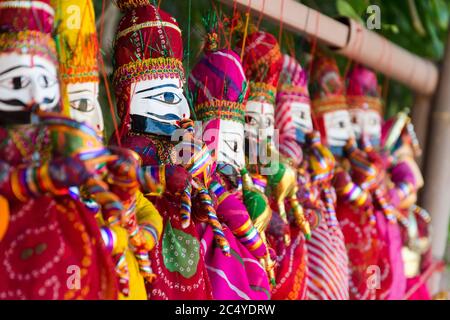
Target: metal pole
349, 39
435, 195
420, 115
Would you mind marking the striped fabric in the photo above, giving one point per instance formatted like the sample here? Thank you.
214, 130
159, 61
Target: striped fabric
293, 86
328, 275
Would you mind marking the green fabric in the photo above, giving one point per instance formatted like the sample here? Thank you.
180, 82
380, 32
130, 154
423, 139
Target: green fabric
255, 203
181, 251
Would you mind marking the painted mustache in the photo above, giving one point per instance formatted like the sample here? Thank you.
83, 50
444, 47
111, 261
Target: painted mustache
18, 103
147, 125
167, 117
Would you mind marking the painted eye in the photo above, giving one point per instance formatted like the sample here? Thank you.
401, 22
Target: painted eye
15, 83
83, 105
46, 81
302, 115
166, 97
251, 120
233, 145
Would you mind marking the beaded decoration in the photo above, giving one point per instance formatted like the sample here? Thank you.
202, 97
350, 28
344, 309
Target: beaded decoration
26, 28
221, 109
29, 42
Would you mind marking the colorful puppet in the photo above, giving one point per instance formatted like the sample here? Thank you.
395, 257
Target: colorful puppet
51, 236
327, 262
262, 64
148, 79
365, 106
293, 122
77, 52
219, 88
77, 46
398, 139
354, 205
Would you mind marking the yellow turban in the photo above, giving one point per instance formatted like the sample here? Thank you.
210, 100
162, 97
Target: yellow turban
77, 43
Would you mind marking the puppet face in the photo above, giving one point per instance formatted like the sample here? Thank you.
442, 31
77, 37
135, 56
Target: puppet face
367, 123
27, 83
338, 128
357, 117
260, 120
158, 106
84, 106
372, 126
230, 147
302, 120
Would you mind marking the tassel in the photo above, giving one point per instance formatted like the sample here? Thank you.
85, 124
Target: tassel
112, 208
123, 274
185, 208
144, 263
213, 221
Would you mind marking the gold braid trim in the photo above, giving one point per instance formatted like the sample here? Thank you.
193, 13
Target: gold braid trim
153, 68
329, 104
359, 102
221, 109
261, 91
29, 42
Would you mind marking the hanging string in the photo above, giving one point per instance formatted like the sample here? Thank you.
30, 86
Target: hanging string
220, 25
188, 55
312, 54
232, 24
105, 78
314, 45
261, 15
247, 20
280, 33
290, 44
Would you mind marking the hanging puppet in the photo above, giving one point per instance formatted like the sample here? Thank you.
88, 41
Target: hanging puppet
219, 88
293, 121
77, 52
327, 262
50, 235
148, 79
365, 108
262, 64
354, 205
399, 141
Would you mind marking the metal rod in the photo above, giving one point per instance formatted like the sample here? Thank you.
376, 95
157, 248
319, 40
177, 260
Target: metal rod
437, 165
351, 40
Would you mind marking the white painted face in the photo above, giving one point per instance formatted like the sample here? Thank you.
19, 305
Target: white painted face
158, 105
338, 128
301, 116
27, 83
84, 106
260, 120
230, 147
357, 117
372, 126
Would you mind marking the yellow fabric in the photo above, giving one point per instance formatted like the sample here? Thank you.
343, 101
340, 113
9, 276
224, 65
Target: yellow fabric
146, 213
77, 44
137, 284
